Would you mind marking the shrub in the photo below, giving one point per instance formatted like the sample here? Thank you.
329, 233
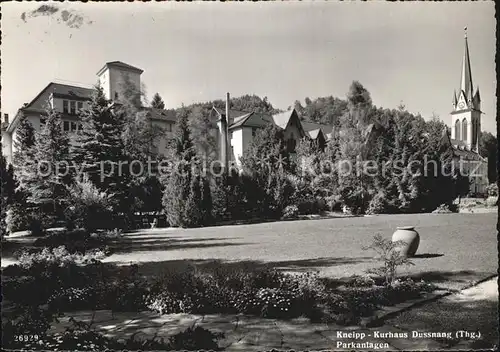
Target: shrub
59, 256
360, 281
18, 218
446, 208
378, 204
195, 338
78, 240
389, 255
308, 206
333, 203
290, 212
90, 208
492, 190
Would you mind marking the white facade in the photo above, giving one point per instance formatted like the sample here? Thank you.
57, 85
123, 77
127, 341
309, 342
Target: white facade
113, 79
240, 139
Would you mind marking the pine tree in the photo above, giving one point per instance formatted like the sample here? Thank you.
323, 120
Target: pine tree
49, 177
267, 159
100, 150
24, 154
203, 131
183, 197
157, 102
8, 193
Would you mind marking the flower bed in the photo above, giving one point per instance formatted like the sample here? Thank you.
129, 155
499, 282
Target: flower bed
65, 282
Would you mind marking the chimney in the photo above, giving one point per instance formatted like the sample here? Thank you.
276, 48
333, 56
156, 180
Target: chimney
6, 118
224, 124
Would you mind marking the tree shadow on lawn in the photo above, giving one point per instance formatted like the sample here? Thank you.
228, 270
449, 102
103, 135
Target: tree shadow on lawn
452, 316
155, 269
427, 255
451, 280
159, 243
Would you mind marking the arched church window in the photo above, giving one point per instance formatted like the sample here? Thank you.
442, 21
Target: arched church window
457, 129
464, 129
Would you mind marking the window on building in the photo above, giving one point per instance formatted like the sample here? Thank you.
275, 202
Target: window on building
73, 126
116, 95
254, 131
457, 129
80, 105
169, 127
72, 107
464, 129
65, 106
42, 122
66, 126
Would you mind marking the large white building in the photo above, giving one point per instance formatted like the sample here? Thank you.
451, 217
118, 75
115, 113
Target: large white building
67, 100
114, 77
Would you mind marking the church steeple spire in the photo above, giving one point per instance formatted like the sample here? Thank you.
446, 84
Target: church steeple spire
466, 80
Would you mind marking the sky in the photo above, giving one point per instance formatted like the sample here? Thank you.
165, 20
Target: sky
196, 52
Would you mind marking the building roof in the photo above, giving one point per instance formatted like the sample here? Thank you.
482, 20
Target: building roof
58, 90
161, 114
121, 65
282, 119
467, 154
69, 92
313, 134
460, 148
65, 90
466, 78
311, 126
239, 118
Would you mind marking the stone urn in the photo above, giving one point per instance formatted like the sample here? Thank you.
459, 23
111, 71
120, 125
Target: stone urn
410, 236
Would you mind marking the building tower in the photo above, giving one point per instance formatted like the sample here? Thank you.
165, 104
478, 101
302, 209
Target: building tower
117, 76
466, 113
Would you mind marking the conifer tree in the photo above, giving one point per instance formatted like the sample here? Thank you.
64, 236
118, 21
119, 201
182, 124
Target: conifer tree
203, 131
49, 176
157, 102
24, 152
100, 150
186, 199
8, 192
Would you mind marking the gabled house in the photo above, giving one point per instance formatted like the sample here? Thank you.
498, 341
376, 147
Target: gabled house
240, 128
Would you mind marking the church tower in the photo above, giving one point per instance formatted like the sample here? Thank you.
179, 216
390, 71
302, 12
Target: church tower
466, 113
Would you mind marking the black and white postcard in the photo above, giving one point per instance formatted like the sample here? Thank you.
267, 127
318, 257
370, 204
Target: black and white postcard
249, 176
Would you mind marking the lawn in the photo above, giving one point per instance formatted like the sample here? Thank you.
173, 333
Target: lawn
454, 248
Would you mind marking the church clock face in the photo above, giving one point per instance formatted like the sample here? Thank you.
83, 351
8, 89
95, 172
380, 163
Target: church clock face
461, 105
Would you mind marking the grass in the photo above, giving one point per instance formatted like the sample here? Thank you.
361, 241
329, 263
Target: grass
454, 248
